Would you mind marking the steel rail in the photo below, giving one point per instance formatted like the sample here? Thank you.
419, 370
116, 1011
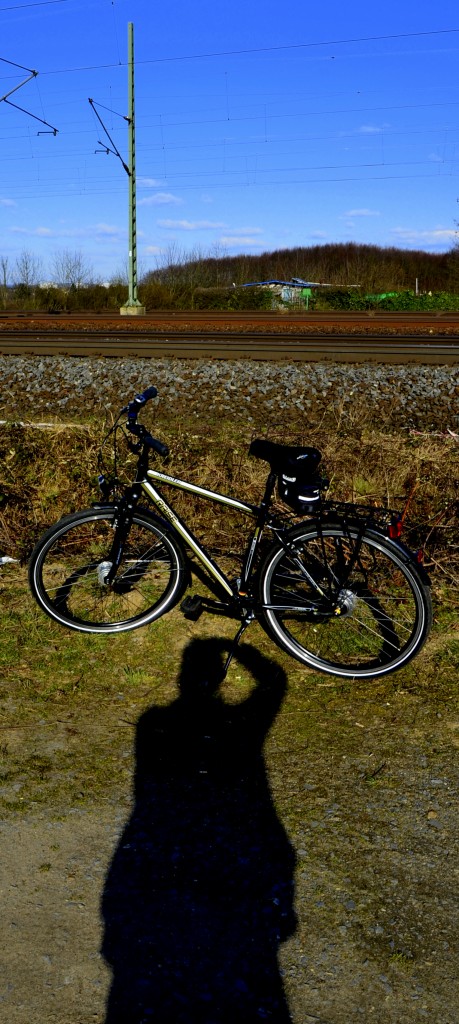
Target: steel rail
260, 346
276, 319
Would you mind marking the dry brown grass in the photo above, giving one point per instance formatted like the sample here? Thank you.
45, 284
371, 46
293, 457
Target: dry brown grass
45, 474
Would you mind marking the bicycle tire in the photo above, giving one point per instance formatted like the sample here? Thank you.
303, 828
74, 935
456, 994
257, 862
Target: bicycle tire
385, 606
68, 565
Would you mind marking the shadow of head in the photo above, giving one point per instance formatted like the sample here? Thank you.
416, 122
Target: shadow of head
203, 669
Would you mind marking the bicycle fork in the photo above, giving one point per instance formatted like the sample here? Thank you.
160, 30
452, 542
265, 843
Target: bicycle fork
108, 569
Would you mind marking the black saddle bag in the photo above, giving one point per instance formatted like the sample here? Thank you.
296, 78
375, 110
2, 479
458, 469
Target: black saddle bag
299, 483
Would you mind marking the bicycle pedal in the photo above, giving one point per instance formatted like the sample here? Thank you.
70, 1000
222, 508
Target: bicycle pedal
192, 607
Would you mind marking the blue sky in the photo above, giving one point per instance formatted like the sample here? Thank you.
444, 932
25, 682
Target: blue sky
258, 127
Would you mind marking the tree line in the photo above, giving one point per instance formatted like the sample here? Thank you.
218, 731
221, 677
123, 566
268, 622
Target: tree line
351, 275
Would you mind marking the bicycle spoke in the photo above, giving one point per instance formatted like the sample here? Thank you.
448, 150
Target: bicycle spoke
71, 586
372, 614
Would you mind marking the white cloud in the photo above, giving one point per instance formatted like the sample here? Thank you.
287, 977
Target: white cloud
243, 236
101, 231
436, 236
107, 229
160, 199
245, 231
232, 240
41, 232
191, 225
148, 182
372, 129
151, 250
362, 213
7, 202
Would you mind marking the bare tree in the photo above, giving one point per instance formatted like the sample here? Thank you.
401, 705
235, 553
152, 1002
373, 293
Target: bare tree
121, 274
28, 269
453, 262
4, 280
169, 263
71, 269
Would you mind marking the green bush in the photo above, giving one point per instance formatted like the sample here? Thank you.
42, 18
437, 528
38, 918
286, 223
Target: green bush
339, 299
232, 299
410, 301
155, 295
402, 301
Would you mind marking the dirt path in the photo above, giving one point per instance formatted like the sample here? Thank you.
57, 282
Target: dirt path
373, 825
52, 876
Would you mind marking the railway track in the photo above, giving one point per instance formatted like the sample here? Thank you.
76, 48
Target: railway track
294, 337
262, 317
259, 345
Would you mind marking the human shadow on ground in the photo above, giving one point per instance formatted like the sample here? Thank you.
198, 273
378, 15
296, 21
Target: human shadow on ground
199, 894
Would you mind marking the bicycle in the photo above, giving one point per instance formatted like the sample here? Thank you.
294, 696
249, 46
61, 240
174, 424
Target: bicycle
339, 590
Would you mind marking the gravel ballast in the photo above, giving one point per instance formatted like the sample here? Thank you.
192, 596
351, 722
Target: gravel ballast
408, 395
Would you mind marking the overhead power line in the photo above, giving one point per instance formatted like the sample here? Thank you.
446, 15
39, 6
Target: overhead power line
39, 3
262, 49
303, 46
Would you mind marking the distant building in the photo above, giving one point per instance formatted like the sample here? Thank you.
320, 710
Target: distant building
291, 293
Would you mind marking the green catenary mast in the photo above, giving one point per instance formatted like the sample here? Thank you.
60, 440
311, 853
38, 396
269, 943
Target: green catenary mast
133, 306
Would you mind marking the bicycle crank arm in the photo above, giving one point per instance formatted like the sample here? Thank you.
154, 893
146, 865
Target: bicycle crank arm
303, 608
193, 607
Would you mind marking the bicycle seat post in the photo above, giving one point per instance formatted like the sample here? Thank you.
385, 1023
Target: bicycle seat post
269, 490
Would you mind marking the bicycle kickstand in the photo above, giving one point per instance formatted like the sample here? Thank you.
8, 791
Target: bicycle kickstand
242, 628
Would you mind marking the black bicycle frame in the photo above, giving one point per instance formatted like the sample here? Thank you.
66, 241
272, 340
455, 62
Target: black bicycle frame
259, 512
144, 484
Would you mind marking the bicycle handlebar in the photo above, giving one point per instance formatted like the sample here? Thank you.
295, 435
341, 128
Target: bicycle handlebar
133, 408
158, 446
150, 392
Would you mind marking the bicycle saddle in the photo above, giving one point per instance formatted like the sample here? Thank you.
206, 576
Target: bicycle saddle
302, 462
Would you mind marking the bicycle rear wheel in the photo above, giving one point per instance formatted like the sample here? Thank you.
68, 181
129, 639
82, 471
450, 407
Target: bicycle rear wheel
343, 606
69, 564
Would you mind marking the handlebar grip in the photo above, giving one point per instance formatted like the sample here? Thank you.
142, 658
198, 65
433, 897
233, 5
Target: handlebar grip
132, 408
157, 446
146, 395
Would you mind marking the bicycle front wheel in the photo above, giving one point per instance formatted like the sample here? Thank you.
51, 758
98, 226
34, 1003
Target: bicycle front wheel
343, 605
69, 564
